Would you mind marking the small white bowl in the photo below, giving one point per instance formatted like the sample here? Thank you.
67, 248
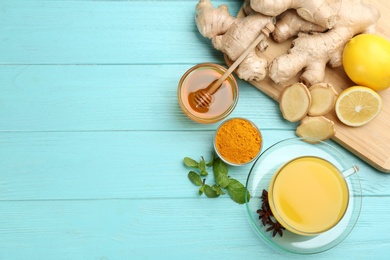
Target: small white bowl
237, 163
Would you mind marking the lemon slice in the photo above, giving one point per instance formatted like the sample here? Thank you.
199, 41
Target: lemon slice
356, 106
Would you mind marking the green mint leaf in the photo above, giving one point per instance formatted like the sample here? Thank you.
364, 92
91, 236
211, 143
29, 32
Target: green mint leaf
210, 193
237, 191
220, 167
220, 170
191, 162
202, 164
211, 162
218, 189
195, 178
201, 190
204, 173
222, 180
235, 184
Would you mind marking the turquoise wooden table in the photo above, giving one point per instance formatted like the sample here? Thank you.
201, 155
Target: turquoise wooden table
92, 140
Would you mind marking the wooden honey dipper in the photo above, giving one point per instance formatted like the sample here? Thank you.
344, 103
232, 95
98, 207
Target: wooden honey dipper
200, 100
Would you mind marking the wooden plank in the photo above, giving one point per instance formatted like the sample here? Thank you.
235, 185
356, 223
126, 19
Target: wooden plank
102, 98
103, 32
149, 228
121, 164
370, 142
88, 172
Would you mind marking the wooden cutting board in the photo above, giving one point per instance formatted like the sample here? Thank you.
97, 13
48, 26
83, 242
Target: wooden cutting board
370, 142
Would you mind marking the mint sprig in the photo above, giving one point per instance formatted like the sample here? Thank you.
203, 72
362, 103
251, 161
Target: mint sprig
223, 182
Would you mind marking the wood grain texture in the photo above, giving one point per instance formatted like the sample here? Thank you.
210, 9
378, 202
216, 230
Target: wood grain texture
91, 168
107, 97
370, 142
120, 164
102, 32
152, 228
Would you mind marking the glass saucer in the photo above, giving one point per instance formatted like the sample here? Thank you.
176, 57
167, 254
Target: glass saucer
260, 176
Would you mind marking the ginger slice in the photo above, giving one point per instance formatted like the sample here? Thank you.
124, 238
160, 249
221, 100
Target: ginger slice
323, 99
317, 127
294, 102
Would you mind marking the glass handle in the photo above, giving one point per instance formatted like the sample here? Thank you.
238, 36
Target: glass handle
354, 169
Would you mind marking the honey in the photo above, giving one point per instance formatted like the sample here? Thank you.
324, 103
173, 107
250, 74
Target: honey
200, 77
308, 195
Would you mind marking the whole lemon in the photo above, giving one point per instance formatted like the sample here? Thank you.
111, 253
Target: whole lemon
366, 60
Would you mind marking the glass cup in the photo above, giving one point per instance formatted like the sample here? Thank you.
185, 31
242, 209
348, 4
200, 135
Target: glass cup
270, 164
309, 195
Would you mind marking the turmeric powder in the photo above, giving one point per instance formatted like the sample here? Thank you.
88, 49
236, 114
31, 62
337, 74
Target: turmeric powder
238, 141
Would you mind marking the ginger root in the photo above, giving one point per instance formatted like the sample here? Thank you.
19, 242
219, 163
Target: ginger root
317, 127
312, 52
246, 7
233, 35
212, 21
320, 12
295, 102
323, 97
322, 28
289, 24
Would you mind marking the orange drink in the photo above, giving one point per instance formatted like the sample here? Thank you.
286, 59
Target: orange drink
308, 195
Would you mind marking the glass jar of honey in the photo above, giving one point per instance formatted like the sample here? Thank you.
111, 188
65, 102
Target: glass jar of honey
200, 77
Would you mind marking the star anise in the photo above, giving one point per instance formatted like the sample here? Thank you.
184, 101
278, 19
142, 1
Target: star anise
264, 215
276, 227
264, 199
